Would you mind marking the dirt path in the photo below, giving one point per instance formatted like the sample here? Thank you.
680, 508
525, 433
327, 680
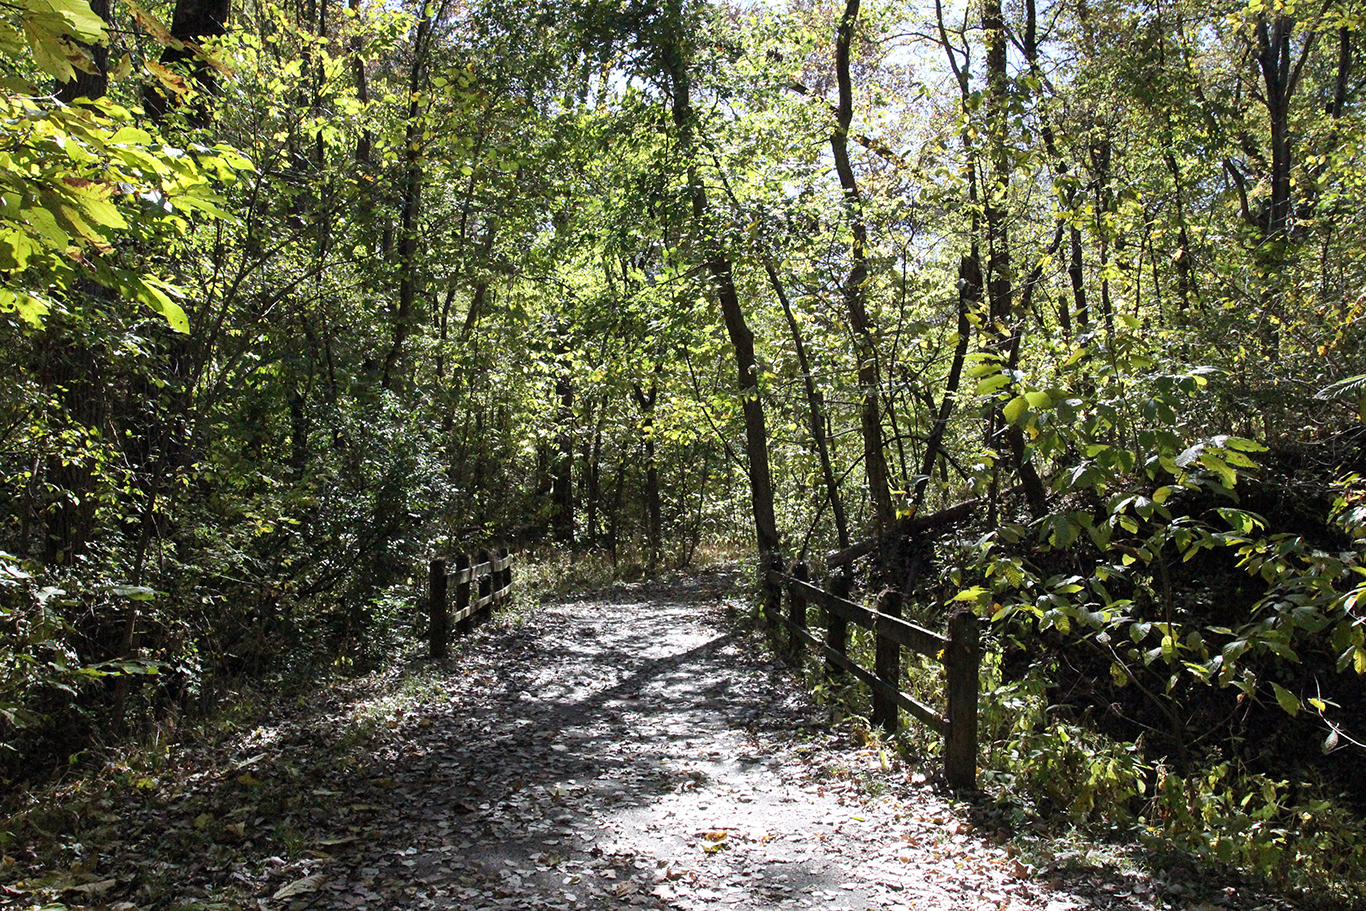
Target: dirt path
613, 753
616, 753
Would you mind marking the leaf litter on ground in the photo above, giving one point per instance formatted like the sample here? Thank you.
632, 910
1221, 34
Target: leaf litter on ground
632, 749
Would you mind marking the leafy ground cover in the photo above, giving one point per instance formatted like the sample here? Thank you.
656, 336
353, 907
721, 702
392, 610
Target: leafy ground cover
634, 748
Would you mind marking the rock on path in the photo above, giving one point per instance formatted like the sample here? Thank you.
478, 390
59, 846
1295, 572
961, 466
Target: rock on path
627, 753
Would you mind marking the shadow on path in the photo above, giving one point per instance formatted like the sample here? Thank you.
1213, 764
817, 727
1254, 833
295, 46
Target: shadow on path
612, 753
630, 754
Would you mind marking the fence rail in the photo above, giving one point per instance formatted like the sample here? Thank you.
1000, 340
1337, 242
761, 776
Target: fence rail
958, 651
481, 583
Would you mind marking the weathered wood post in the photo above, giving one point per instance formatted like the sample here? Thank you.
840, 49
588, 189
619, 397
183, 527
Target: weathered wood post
887, 665
962, 660
505, 577
796, 613
438, 623
837, 628
773, 591
462, 591
485, 582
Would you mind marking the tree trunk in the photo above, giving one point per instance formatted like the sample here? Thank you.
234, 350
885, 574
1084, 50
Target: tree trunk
365, 140
562, 471
654, 537
723, 283
969, 298
192, 21
1000, 291
815, 404
410, 201
855, 285
96, 84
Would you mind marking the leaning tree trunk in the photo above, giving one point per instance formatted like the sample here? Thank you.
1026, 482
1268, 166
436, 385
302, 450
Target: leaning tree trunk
718, 267
855, 285
815, 403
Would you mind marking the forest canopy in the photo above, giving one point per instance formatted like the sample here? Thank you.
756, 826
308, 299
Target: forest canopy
296, 295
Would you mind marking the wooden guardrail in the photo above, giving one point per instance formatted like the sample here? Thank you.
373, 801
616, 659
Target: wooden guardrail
481, 583
958, 651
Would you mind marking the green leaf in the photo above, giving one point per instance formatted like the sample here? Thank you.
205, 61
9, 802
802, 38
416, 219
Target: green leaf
1064, 532
45, 225
154, 293
85, 25
30, 309
1287, 699
1015, 409
1242, 520
1186, 458
92, 200
207, 204
991, 383
134, 592
1227, 476
16, 249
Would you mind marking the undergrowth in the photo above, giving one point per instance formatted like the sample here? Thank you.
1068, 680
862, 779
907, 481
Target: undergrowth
1293, 835
1045, 773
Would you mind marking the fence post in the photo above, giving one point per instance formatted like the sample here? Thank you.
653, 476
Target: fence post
962, 660
796, 613
773, 592
438, 625
887, 664
462, 592
485, 581
837, 628
505, 577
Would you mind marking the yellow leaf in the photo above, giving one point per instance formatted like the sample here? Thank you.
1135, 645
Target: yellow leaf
151, 24
168, 78
30, 309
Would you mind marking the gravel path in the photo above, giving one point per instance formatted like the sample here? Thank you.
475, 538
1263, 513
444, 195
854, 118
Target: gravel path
631, 753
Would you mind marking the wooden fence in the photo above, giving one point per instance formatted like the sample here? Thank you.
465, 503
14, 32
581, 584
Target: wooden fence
481, 583
958, 651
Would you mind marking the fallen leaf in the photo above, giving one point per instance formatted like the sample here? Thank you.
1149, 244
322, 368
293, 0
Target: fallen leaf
94, 888
300, 886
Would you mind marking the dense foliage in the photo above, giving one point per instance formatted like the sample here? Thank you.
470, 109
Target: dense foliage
299, 293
